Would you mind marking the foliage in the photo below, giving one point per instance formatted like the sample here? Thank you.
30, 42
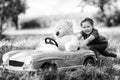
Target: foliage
82, 73
108, 11
10, 9
31, 24
110, 18
99, 3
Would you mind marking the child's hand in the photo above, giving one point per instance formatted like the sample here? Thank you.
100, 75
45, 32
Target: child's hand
83, 46
84, 43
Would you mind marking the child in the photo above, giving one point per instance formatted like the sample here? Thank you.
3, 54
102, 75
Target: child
92, 39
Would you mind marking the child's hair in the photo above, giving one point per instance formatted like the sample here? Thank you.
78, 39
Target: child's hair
87, 20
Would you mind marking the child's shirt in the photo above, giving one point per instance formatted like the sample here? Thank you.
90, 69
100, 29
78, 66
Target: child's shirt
98, 38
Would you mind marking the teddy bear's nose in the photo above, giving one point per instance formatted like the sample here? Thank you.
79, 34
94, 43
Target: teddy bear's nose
57, 33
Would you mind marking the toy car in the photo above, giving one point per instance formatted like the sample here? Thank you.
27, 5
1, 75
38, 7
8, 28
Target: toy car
32, 60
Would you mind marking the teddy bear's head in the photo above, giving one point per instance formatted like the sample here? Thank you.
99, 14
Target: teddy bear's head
63, 28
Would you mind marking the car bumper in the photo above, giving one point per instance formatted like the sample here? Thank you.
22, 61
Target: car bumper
13, 68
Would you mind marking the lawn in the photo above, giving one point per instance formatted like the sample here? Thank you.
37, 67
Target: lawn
110, 69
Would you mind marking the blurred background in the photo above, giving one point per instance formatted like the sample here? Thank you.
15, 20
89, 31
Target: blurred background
42, 14
20, 19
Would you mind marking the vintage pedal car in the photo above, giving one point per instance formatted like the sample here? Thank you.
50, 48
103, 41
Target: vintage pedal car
32, 60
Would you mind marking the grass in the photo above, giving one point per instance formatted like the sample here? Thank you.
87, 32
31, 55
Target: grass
105, 72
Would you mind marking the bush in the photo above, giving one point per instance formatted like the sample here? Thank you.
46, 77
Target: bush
109, 20
31, 24
113, 20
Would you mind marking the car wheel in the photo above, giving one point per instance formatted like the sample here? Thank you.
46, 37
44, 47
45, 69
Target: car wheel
89, 62
50, 71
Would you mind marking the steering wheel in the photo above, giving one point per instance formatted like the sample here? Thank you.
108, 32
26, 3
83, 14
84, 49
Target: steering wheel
51, 41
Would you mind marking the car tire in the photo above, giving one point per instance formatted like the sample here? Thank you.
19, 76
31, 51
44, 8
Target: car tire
89, 61
50, 71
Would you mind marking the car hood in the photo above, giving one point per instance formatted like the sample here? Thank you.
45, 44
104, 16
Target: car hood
22, 55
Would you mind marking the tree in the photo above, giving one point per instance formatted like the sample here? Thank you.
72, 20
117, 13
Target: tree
11, 9
101, 4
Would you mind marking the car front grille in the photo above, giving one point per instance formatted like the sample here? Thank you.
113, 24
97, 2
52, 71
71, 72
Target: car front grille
15, 63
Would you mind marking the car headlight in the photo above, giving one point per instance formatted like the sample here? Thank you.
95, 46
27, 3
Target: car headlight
5, 57
28, 61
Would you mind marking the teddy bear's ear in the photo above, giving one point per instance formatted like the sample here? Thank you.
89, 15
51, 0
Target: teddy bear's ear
69, 23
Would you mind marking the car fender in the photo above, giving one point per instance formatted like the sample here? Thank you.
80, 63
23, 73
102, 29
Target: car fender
89, 57
38, 63
11, 53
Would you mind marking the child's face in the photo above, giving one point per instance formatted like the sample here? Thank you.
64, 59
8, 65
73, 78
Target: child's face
87, 27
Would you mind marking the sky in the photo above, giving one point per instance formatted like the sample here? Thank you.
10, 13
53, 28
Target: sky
38, 8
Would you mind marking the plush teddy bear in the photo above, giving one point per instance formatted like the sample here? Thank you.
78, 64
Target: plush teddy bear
64, 36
